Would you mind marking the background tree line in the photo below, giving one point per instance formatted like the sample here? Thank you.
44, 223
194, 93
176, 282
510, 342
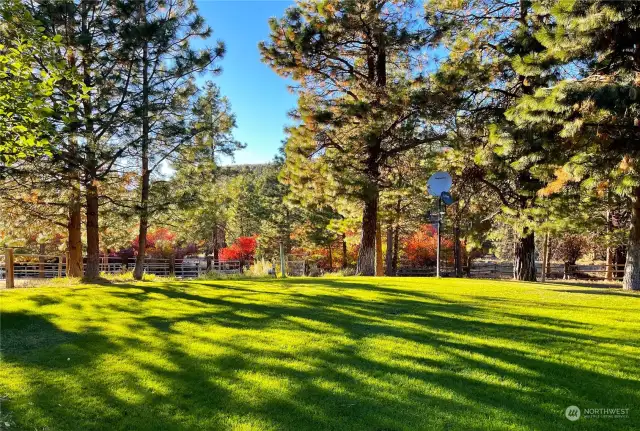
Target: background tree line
531, 105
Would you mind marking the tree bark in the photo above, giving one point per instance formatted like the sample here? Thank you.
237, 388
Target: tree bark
396, 244
631, 280
549, 255
367, 253
524, 265
567, 270
92, 205
379, 260
93, 234
619, 261
344, 251
545, 256
367, 264
457, 255
389, 255
74, 231
330, 259
144, 219
145, 174
216, 242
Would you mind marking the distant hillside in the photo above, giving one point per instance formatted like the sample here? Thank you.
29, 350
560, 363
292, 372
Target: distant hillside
256, 168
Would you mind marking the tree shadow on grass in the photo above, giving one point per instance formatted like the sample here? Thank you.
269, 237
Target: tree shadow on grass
24, 332
600, 292
396, 362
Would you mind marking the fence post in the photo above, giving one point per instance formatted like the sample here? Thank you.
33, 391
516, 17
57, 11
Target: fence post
60, 266
8, 266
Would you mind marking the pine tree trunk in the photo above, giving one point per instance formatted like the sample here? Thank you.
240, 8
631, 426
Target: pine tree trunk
389, 255
396, 245
93, 234
344, 252
379, 259
396, 239
545, 256
138, 272
609, 267
549, 254
367, 253
92, 205
631, 280
367, 264
330, 259
74, 231
215, 242
524, 264
619, 261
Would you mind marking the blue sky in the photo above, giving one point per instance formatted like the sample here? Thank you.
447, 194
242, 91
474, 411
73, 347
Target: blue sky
259, 96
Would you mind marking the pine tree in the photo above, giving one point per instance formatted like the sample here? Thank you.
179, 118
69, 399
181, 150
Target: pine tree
359, 95
84, 155
166, 66
594, 109
487, 70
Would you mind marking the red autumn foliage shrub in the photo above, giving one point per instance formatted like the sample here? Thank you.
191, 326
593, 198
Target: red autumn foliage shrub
421, 247
242, 248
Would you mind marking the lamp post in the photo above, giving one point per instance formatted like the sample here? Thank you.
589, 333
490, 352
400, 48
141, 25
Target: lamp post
282, 262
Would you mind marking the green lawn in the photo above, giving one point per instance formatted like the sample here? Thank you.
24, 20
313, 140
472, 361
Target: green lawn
317, 354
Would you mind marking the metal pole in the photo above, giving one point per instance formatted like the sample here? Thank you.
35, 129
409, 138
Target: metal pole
438, 249
282, 263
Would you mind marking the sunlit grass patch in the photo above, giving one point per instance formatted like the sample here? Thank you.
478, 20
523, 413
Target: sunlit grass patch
341, 353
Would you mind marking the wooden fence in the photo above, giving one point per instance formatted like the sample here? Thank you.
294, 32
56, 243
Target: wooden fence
487, 269
14, 266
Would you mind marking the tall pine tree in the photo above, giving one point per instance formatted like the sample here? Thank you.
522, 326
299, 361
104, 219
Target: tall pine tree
355, 63
594, 110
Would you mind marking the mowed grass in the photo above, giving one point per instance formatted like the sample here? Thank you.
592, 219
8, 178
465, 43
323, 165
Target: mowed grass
318, 354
